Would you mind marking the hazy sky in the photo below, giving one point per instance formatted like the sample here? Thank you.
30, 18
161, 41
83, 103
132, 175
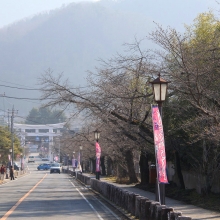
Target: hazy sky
14, 10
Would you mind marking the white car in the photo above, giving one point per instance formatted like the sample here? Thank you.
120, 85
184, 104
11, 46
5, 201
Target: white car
31, 159
55, 168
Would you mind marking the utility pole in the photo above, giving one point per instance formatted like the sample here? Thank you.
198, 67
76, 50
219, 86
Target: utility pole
12, 136
8, 121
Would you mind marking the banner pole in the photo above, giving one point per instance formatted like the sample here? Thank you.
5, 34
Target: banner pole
158, 184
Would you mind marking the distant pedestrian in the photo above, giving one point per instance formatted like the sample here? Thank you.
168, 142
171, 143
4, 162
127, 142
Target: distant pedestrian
2, 172
12, 173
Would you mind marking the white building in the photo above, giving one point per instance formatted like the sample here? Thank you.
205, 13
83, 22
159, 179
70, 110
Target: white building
39, 135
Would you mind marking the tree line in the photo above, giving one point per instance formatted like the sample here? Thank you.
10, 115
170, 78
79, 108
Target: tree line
118, 101
5, 145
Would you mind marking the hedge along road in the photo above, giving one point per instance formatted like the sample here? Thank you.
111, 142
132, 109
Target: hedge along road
41, 195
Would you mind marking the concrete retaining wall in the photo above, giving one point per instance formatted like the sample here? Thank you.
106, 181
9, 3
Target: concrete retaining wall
69, 172
140, 207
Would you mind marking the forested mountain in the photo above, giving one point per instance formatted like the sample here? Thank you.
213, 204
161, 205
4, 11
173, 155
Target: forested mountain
69, 40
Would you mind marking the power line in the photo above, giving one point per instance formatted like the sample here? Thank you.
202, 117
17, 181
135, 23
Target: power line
34, 89
14, 87
23, 98
14, 83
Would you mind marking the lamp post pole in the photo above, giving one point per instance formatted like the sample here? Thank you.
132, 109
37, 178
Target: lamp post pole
74, 162
68, 161
160, 90
97, 136
59, 148
10, 150
80, 153
10, 162
21, 161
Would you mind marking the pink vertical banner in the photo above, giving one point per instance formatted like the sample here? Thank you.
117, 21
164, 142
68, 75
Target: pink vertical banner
10, 159
79, 159
73, 163
98, 155
159, 144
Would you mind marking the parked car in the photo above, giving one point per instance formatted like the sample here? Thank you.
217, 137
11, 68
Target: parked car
16, 167
55, 168
31, 159
44, 166
44, 159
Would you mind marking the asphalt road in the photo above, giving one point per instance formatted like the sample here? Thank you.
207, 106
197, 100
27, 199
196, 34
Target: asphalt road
41, 195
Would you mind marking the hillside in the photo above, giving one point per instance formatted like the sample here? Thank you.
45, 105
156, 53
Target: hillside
69, 40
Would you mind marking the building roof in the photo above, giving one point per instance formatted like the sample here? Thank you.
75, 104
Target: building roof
46, 126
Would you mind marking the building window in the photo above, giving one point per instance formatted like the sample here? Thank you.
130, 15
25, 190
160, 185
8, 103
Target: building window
30, 130
43, 130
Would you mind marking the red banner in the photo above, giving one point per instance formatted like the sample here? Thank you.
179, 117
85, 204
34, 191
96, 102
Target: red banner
98, 155
159, 144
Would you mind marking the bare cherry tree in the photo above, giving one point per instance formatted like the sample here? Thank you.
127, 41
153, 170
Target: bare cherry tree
191, 62
118, 99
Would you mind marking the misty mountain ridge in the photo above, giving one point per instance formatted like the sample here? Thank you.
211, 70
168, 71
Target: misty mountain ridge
70, 40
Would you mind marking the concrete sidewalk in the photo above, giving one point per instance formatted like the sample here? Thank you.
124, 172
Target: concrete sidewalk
17, 175
192, 211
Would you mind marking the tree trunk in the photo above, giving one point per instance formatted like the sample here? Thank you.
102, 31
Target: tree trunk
120, 173
130, 165
179, 170
102, 165
109, 167
87, 166
93, 165
144, 168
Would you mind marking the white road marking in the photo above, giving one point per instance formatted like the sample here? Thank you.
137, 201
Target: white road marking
88, 203
107, 208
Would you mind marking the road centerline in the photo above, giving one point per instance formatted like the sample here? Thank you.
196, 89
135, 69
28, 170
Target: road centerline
21, 200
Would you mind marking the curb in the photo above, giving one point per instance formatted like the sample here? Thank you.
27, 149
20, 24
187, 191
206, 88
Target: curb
122, 211
16, 177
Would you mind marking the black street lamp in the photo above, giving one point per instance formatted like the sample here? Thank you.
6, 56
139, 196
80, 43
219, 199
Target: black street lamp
160, 91
97, 136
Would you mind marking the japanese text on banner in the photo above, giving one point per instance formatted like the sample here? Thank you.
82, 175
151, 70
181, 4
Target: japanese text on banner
98, 155
159, 144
